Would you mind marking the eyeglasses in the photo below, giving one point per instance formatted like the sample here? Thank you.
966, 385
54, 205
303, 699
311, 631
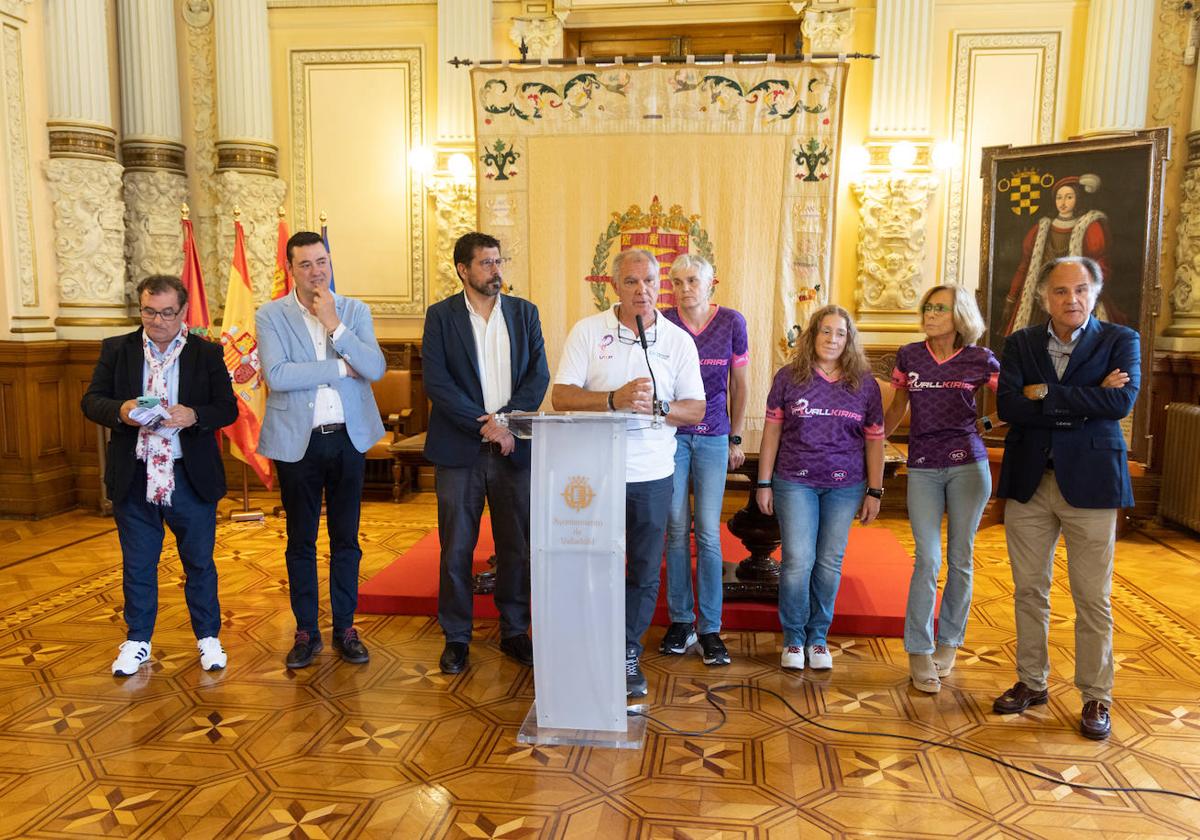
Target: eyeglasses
496, 263
935, 307
166, 314
628, 336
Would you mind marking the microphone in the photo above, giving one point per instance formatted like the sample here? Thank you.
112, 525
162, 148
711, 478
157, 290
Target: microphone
641, 329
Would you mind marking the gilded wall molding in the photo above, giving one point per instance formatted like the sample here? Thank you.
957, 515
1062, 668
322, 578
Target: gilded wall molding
153, 155
1185, 292
966, 44
16, 9
893, 211
153, 235
89, 230
67, 140
258, 196
18, 193
412, 58
248, 157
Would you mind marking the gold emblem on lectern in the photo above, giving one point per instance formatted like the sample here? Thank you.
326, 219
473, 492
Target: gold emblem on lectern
578, 493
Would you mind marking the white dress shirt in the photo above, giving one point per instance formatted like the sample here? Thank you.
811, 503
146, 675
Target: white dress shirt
327, 407
492, 351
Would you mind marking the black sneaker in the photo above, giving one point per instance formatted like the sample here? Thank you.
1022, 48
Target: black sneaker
713, 650
680, 636
306, 647
635, 680
351, 648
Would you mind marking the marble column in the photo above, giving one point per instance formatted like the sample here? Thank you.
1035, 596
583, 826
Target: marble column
894, 199
83, 173
1116, 70
26, 306
1183, 333
152, 138
247, 158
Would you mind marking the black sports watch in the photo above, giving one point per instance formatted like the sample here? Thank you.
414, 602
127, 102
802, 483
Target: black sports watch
664, 407
735, 439
875, 492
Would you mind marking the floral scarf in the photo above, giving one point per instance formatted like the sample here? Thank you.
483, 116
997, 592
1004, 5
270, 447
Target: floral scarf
154, 449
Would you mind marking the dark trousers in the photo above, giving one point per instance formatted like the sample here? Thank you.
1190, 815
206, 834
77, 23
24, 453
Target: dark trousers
460, 493
333, 467
647, 504
193, 521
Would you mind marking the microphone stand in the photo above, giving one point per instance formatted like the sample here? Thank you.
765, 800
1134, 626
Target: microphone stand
656, 406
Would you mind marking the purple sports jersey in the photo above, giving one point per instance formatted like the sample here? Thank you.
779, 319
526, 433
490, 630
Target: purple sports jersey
722, 344
941, 396
825, 425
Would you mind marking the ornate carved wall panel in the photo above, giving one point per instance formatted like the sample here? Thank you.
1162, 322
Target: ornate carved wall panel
1005, 89
349, 160
891, 245
89, 231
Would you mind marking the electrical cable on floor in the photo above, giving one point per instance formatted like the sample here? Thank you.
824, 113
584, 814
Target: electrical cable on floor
713, 700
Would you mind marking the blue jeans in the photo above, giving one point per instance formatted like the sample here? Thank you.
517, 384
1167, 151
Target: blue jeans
814, 524
332, 467
646, 506
961, 493
193, 521
704, 459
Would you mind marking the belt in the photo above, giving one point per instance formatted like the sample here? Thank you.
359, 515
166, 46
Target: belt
329, 428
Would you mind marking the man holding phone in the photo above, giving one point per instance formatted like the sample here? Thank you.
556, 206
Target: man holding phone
164, 393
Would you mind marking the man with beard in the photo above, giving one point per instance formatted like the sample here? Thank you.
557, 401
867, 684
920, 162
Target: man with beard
482, 355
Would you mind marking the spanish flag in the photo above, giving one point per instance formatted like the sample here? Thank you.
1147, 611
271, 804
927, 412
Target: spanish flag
193, 279
281, 283
241, 358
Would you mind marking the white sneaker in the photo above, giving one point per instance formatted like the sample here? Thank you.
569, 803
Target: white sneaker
819, 658
130, 657
793, 657
212, 655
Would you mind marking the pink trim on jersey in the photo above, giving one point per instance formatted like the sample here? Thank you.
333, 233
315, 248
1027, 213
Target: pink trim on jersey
873, 432
948, 358
993, 382
683, 321
741, 359
899, 380
774, 415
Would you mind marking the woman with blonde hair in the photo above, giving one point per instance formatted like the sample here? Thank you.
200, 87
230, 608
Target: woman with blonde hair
948, 473
820, 463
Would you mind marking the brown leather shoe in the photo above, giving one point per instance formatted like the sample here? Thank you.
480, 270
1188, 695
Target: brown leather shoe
1094, 723
1018, 698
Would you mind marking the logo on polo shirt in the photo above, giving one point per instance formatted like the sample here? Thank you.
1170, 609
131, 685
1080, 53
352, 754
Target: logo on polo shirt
605, 343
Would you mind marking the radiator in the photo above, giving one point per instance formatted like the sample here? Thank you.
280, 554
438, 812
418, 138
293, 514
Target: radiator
1180, 497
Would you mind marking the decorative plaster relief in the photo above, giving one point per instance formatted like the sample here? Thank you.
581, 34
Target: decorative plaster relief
891, 240
1185, 294
202, 85
259, 198
827, 30
455, 205
541, 35
19, 202
89, 230
967, 46
153, 235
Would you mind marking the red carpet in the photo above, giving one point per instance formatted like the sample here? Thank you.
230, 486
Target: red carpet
870, 602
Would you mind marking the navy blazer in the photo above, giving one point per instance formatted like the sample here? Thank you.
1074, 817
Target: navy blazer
1078, 424
452, 382
204, 387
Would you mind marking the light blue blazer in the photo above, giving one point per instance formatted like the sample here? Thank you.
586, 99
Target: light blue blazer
290, 366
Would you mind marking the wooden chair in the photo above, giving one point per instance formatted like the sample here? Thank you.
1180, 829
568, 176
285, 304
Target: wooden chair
393, 395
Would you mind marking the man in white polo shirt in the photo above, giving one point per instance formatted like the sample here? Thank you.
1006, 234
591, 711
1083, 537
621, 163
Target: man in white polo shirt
604, 368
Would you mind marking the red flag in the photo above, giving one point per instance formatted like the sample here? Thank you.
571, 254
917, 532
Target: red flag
193, 281
281, 283
240, 340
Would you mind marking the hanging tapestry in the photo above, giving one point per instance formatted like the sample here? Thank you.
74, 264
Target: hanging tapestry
735, 163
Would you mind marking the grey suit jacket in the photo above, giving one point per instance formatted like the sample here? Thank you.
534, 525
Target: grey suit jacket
290, 366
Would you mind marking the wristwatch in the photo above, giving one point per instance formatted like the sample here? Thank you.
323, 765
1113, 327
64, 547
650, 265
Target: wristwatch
611, 407
664, 407
875, 492
735, 439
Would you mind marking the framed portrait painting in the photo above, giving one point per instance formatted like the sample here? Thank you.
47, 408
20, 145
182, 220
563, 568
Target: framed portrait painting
1098, 198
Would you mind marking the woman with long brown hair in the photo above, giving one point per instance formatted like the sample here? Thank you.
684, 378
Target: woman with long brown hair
820, 463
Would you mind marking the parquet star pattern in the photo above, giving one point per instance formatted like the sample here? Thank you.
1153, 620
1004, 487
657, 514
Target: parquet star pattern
398, 749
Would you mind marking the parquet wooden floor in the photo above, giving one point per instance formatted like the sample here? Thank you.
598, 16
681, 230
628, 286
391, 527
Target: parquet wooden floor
396, 749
